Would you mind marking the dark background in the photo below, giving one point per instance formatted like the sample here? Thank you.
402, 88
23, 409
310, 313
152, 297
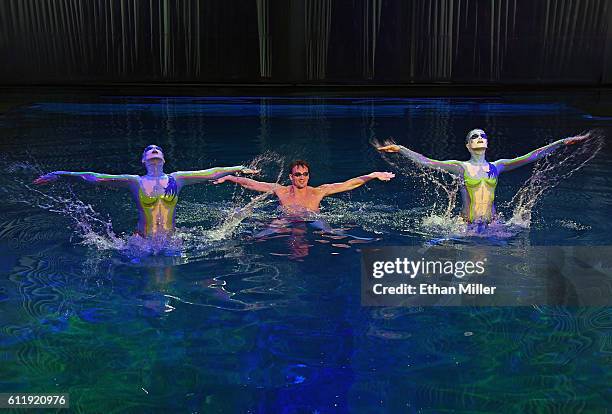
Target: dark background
306, 41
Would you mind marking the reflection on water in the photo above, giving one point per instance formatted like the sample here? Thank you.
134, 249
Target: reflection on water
248, 312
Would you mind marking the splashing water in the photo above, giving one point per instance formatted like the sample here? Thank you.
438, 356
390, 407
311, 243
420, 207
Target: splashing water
442, 219
266, 162
92, 228
549, 172
96, 231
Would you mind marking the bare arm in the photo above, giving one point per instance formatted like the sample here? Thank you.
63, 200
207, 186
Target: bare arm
194, 177
537, 154
452, 166
250, 184
124, 180
353, 183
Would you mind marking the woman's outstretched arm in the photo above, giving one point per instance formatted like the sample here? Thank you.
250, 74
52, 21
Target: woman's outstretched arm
509, 164
452, 166
211, 174
90, 177
249, 184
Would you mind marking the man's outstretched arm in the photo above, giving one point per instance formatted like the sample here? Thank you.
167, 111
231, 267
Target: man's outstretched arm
353, 183
211, 174
249, 184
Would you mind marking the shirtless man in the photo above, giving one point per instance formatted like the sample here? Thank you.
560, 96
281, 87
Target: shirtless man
299, 197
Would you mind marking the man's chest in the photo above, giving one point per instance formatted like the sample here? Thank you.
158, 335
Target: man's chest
299, 197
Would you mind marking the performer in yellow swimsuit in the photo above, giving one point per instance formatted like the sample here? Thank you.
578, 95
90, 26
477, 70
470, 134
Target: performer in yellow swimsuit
155, 193
479, 175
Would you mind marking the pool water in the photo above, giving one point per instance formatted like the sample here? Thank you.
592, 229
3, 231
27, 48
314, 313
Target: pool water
229, 322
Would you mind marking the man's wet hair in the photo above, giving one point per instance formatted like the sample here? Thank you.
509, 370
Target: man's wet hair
298, 163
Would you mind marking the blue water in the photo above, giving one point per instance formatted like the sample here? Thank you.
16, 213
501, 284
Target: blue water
237, 324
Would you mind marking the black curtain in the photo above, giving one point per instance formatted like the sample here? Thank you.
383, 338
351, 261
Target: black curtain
306, 41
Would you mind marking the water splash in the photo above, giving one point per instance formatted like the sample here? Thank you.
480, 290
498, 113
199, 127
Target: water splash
548, 173
93, 229
268, 162
137, 246
443, 192
442, 217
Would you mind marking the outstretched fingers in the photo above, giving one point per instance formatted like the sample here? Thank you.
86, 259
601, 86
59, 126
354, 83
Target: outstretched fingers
385, 176
387, 145
250, 171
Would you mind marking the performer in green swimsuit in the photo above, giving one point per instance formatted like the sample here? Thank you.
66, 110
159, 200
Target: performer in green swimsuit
155, 193
479, 175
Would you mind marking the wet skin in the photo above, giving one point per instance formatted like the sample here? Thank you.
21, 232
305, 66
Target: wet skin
479, 177
156, 193
299, 197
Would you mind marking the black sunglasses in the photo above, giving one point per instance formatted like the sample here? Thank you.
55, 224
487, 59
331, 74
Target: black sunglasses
299, 174
150, 147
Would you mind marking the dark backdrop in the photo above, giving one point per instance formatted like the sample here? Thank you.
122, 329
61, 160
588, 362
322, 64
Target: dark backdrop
306, 41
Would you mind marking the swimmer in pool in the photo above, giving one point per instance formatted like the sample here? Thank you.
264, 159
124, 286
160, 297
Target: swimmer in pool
479, 176
299, 197
155, 193
299, 201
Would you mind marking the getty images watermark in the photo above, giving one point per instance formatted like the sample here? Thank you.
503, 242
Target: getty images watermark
486, 276
428, 268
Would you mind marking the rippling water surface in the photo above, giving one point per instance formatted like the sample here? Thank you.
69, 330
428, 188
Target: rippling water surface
234, 323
